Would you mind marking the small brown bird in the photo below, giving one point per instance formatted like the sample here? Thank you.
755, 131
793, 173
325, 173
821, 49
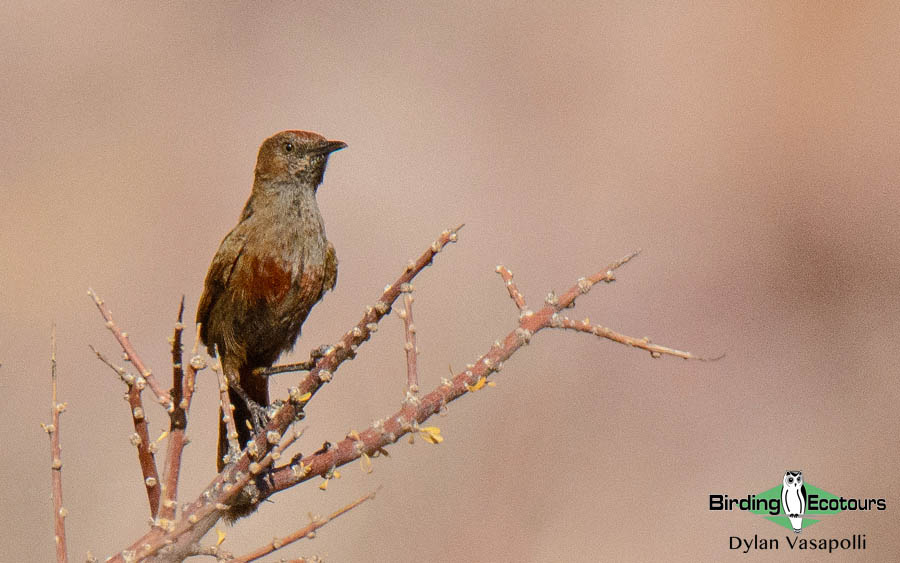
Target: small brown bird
268, 273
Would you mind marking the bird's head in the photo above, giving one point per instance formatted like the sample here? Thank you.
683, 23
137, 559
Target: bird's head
295, 156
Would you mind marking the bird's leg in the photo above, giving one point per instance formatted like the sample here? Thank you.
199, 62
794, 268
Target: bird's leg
258, 414
314, 355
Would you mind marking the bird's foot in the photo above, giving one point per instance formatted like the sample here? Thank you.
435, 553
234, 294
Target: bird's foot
259, 416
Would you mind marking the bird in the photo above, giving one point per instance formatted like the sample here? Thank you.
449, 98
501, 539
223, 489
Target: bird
268, 273
793, 498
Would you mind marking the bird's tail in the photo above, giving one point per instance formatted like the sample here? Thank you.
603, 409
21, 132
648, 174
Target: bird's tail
257, 388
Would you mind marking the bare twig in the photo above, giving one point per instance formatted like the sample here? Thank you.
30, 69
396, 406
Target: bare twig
212, 551
178, 417
126, 377
643, 343
307, 531
511, 287
141, 437
412, 350
583, 285
52, 429
182, 393
197, 364
131, 354
227, 409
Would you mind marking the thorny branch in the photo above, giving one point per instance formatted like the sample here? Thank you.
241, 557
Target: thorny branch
178, 416
52, 429
387, 431
642, 343
173, 538
182, 392
141, 438
181, 536
131, 354
227, 409
307, 531
412, 350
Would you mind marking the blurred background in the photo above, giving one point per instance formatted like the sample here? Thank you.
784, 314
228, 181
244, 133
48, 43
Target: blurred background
750, 151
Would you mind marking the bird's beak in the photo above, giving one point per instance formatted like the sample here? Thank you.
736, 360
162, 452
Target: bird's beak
331, 146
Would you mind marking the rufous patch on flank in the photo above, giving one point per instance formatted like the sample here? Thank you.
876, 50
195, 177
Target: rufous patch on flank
271, 280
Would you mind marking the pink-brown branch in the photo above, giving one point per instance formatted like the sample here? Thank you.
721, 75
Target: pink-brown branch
412, 349
511, 287
182, 537
145, 377
52, 429
227, 409
306, 531
182, 392
387, 431
178, 414
603, 332
131, 354
141, 437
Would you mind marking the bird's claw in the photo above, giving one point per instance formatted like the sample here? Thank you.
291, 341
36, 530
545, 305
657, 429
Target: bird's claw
259, 416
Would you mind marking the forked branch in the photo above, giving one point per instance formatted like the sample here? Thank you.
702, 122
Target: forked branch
181, 536
131, 354
140, 439
413, 413
174, 538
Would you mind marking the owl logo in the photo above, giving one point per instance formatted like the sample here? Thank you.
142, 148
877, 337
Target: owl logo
793, 498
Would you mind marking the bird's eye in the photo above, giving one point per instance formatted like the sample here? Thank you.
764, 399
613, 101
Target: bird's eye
288, 147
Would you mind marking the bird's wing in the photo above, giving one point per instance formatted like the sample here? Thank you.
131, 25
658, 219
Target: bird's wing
218, 276
331, 263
